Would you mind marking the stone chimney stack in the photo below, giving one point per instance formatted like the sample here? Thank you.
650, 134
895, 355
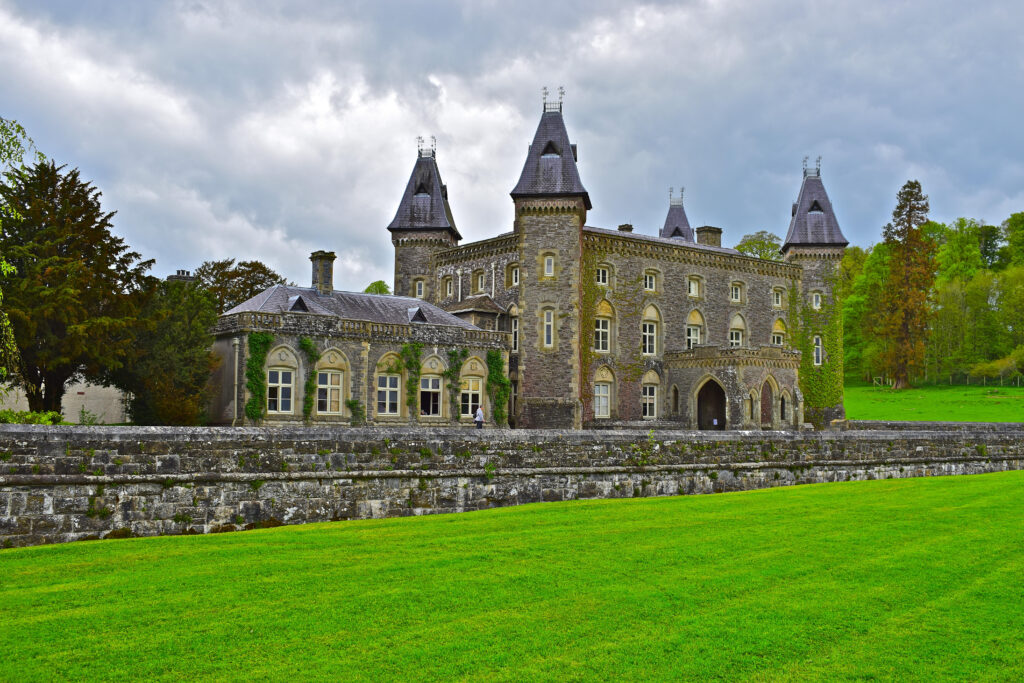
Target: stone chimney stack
181, 276
710, 236
323, 271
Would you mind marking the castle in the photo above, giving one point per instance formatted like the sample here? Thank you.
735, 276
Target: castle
591, 327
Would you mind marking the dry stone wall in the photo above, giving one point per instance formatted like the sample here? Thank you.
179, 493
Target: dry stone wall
73, 483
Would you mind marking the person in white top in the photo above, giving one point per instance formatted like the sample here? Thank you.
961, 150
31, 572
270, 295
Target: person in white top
479, 417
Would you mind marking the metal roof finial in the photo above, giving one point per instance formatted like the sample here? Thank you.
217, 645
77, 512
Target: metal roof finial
561, 93
817, 165
671, 193
433, 146
544, 94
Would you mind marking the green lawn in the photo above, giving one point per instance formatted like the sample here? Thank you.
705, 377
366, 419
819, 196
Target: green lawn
915, 579
942, 403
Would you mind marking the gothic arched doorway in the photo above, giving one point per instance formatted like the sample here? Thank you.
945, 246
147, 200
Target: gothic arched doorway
711, 406
767, 399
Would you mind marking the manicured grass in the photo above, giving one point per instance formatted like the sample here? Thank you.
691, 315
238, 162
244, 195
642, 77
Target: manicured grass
917, 579
940, 403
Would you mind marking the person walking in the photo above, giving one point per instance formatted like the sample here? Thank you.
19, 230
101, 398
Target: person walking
479, 417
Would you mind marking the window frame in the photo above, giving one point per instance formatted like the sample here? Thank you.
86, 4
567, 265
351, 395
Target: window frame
420, 289
277, 388
816, 300
515, 276
426, 379
649, 401
449, 287
778, 339
515, 333
649, 338
736, 292
650, 282
604, 400
777, 297
602, 276
819, 350
604, 335
690, 343
738, 341
548, 332
693, 287
481, 282
549, 265
387, 391
327, 388
466, 390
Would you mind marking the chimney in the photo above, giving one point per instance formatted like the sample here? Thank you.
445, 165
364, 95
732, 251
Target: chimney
181, 276
323, 271
626, 227
709, 236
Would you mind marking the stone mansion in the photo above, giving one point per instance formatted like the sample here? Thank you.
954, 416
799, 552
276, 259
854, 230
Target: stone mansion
594, 327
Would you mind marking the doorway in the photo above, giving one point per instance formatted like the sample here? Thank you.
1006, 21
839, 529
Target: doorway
711, 406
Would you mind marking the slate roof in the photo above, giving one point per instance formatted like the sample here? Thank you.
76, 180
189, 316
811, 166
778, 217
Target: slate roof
482, 303
664, 240
813, 223
377, 308
424, 204
677, 225
550, 168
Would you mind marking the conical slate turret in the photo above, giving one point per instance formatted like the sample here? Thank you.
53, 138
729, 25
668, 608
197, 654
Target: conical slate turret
550, 168
424, 204
677, 225
813, 223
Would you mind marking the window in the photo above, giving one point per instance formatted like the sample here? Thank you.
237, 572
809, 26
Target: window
736, 292
817, 350
549, 328
602, 400
419, 289
735, 338
777, 298
328, 392
782, 408
692, 336
650, 282
649, 401
515, 276
549, 266
778, 339
448, 287
693, 287
480, 280
816, 301
648, 338
279, 391
602, 333
387, 394
470, 396
513, 398
430, 395
515, 333
602, 277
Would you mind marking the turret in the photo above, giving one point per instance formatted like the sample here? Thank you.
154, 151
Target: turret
815, 242
677, 225
422, 226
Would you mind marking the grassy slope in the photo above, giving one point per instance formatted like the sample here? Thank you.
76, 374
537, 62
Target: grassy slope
914, 578
943, 403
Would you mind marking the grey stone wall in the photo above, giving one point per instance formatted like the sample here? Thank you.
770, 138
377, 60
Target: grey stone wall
73, 483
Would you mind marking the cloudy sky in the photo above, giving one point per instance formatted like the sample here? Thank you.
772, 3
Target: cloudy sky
268, 130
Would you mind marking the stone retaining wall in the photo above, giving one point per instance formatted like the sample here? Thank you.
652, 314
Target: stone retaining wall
73, 483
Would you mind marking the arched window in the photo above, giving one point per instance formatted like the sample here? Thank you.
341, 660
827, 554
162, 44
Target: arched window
603, 327
649, 395
649, 331
331, 387
694, 329
816, 300
471, 386
737, 331
389, 384
604, 385
282, 366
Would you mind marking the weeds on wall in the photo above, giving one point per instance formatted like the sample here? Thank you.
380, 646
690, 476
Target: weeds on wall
308, 347
498, 386
255, 377
356, 411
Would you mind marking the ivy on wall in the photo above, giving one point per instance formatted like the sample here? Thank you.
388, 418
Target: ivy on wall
409, 360
456, 357
312, 357
821, 385
498, 386
255, 378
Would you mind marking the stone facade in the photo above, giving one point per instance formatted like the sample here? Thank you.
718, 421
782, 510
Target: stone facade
73, 483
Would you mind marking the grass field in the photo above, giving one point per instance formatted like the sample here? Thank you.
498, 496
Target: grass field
910, 579
942, 403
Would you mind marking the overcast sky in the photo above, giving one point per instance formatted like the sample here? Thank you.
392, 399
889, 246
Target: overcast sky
263, 130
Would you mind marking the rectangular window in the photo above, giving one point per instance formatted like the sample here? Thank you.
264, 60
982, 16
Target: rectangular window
693, 287
777, 339
328, 392
602, 328
649, 401
387, 394
448, 287
602, 400
648, 338
549, 328
735, 292
513, 400
777, 298
279, 391
515, 334
419, 289
470, 396
480, 282
649, 282
430, 395
549, 266
692, 336
735, 338
602, 277
816, 300
817, 351
515, 276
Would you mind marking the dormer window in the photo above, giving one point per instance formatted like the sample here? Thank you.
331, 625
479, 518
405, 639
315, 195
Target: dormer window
421, 191
550, 151
815, 207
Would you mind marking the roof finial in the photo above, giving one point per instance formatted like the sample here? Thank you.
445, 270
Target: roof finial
561, 93
671, 195
817, 165
553, 106
544, 94
672, 199
805, 165
433, 146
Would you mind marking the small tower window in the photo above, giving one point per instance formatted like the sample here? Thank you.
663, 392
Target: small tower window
448, 286
602, 334
777, 298
602, 277
650, 282
515, 276
816, 301
818, 352
736, 292
549, 328
515, 334
549, 266
480, 280
419, 289
693, 287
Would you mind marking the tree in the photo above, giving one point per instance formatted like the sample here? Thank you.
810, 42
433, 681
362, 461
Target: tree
171, 362
73, 300
990, 238
762, 244
377, 287
1013, 233
960, 256
911, 275
232, 284
863, 348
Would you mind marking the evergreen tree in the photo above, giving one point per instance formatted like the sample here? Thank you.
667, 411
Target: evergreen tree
911, 275
75, 294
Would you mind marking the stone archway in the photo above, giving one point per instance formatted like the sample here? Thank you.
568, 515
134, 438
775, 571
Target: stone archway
711, 406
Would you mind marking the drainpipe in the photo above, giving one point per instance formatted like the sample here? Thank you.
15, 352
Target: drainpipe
458, 273
234, 403
492, 279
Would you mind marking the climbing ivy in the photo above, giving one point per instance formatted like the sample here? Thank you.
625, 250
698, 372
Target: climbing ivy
408, 360
498, 386
255, 378
821, 385
312, 356
456, 357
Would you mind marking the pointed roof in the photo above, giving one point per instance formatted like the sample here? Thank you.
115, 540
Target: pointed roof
677, 225
424, 204
814, 223
550, 168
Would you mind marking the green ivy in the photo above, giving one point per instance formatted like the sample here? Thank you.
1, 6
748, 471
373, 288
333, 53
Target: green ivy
498, 386
456, 357
312, 356
409, 360
821, 385
255, 377
356, 411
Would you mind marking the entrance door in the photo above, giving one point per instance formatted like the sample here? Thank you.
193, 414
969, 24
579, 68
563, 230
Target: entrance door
711, 406
766, 405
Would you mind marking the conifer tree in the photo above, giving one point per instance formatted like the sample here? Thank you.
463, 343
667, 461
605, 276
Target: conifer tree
911, 276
